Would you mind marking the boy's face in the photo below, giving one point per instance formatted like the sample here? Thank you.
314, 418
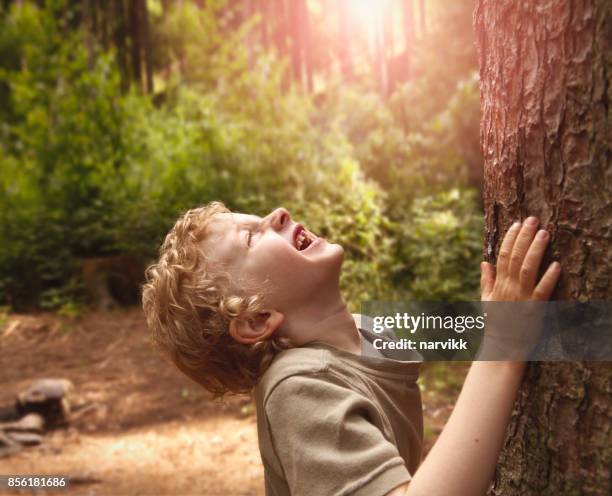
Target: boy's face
277, 254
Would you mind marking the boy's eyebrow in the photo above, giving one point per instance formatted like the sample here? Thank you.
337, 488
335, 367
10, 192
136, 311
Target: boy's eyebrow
252, 220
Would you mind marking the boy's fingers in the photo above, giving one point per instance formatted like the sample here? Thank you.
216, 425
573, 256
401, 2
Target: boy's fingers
503, 259
531, 264
521, 245
487, 278
548, 282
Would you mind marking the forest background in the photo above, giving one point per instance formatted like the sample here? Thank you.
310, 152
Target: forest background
360, 117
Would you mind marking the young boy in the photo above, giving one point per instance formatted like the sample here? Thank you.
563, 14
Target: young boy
241, 302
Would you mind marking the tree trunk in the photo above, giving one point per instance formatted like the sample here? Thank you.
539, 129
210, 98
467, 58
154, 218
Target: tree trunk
249, 12
88, 20
280, 31
388, 45
135, 38
388, 13
408, 11
104, 14
146, 45
346, 59
281, 37
296, 40
546, 136
379, 56
423, 18
118, 16
306, 45
264, 10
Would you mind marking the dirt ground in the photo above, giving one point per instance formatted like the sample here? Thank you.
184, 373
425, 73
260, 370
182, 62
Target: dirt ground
139, 427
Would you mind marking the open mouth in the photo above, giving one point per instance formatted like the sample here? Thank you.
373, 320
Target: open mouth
302, 239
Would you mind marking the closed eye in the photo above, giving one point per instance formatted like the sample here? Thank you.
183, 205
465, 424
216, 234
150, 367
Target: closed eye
252, 229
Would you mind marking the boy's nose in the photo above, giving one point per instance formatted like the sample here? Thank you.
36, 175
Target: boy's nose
279, 218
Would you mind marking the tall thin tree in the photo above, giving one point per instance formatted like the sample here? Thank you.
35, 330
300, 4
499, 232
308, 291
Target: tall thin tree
422, 18
135, 40
408, 13
295, 35
306, 43
119, 22
146, 44
345, 42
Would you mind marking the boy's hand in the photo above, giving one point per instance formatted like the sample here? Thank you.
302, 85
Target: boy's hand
518, 263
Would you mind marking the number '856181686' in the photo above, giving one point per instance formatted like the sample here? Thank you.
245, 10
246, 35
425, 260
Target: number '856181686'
33, 481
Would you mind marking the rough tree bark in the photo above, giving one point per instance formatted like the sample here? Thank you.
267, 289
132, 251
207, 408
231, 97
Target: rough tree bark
546, 136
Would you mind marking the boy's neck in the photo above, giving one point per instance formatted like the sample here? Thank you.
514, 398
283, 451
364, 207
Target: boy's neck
336, 327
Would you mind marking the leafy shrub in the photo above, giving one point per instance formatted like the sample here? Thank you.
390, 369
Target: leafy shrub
61, 152
439, 248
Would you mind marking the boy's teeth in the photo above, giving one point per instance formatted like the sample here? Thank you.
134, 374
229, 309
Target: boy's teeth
301, 240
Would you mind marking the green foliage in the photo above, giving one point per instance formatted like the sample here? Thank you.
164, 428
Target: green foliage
439, 247
426, 171
60, 152
350, 211
205, 43
88, 170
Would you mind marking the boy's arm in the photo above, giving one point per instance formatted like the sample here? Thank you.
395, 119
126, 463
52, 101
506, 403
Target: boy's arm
463, 459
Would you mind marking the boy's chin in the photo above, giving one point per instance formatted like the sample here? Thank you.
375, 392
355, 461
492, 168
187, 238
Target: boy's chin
329, 262
336, 252
327, 251
336, 259
336, 248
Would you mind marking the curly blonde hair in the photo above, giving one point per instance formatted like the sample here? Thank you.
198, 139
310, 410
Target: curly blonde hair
188, 308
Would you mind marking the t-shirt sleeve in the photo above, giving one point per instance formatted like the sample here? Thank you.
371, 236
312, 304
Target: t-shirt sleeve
327, 441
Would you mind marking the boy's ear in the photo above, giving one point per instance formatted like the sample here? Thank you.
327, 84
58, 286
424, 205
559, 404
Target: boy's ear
258, 327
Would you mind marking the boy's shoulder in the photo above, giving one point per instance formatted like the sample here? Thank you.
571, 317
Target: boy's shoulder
294, 362
329, 365
298, 362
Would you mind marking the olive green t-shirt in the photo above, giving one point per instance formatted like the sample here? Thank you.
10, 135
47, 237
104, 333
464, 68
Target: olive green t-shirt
334, 423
